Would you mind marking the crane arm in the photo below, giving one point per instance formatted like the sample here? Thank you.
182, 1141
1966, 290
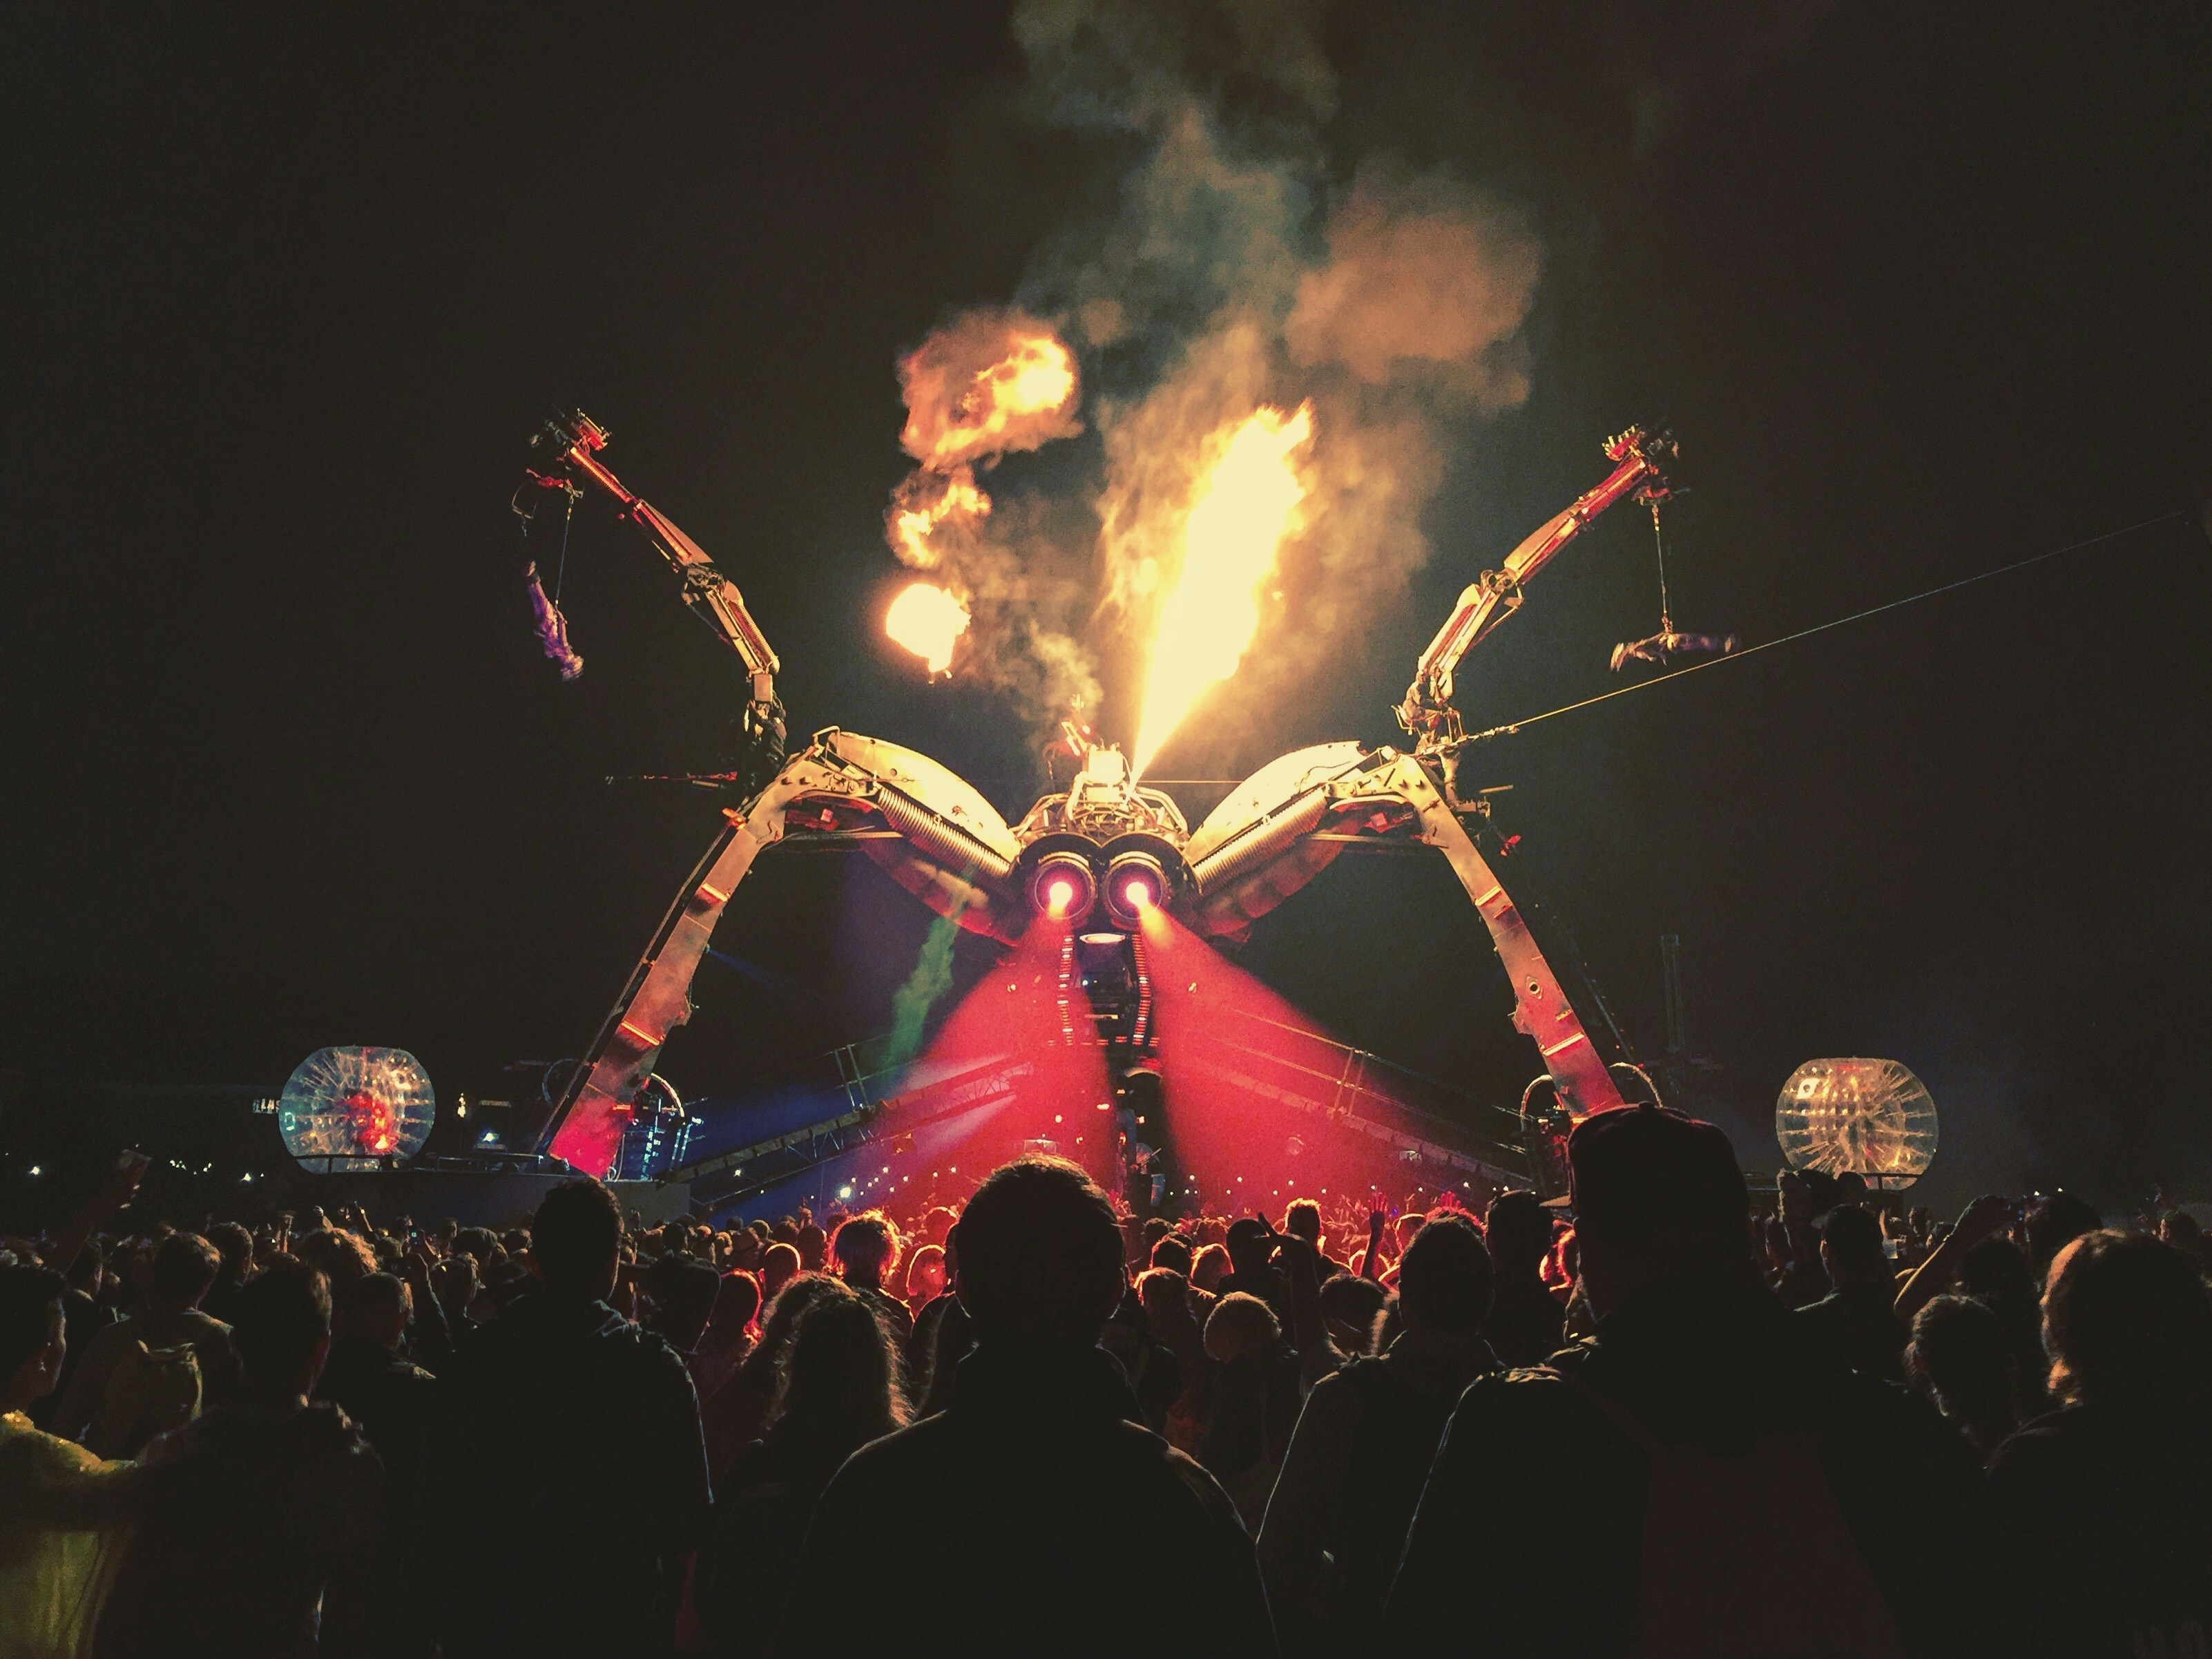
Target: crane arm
573, 442
1640, 459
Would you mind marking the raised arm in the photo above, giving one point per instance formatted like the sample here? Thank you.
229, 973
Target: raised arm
1317, 1355
1985, 1218
119, 1188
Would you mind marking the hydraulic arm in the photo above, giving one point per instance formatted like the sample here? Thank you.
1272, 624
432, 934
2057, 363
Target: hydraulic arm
572, 444
1641, 460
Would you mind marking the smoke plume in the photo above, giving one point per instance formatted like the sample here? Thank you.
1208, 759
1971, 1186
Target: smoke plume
1242, 266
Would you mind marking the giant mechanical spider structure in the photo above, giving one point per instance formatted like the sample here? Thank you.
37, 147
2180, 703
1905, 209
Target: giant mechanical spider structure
1106, 851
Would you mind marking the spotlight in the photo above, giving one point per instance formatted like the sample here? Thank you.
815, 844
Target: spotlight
1062, 887
1135, 883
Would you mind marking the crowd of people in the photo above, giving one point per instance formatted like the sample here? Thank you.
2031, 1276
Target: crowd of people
1652, 1423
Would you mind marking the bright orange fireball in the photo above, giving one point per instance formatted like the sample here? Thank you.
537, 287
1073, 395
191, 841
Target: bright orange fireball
928, 622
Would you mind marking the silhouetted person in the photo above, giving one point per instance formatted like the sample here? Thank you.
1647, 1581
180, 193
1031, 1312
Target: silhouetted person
1174, 1253
1153, 1371
813, 1246
1049, 1520
1302, 1219
1856, 1322
84, 1316
1209, 1270
2052, 1223
1960, 1348
234, 1245
1527, 1322
1251, 1246
1337, 1522
390, 1399
1698, 1478
1348, 1308
1996, 1273
261, 1534
731, 1332
568, 1440
2102, 1502
925, 1278
684, 1289
2178, 1228
937, 1318
742, 1408
1252, 1403
1164, 1295
1801, 1281
367, 1375
100, 1406
779, 1267
453, 1281
866, 1252
840, 1390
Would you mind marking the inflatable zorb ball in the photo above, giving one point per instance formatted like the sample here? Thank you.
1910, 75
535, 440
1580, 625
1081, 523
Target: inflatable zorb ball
356, 1109
1866, 1117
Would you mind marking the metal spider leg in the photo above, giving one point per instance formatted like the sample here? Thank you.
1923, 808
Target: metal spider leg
932, 831
1290, 819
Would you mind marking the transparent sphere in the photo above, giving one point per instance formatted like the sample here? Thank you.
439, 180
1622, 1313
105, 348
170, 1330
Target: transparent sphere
1868, 1117
352, 1108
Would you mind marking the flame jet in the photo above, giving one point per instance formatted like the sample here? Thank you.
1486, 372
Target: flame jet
1244, 506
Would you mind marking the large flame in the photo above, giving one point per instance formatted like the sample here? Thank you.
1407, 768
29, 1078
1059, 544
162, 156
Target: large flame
928, 501
994, 381
1243, 508
928, 622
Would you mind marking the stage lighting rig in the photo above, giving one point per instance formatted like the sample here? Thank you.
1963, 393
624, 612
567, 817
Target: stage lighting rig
1107, 850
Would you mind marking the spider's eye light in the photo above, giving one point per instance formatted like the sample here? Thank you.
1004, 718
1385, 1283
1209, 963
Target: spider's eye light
1135, 884
1062, 887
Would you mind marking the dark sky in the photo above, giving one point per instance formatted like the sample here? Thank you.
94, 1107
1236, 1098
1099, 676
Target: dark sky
1921, 290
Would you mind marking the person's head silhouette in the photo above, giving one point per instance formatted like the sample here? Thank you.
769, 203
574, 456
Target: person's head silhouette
575, 1238
866, 1248
1658, 1196
1517, 1229
2127, 1318
282, 1327
1040, 1256
1445, 1282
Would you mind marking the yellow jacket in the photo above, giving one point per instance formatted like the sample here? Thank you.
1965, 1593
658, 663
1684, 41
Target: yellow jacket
65, 1519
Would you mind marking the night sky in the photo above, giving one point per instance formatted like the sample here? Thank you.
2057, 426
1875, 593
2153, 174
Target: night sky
1921, 290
